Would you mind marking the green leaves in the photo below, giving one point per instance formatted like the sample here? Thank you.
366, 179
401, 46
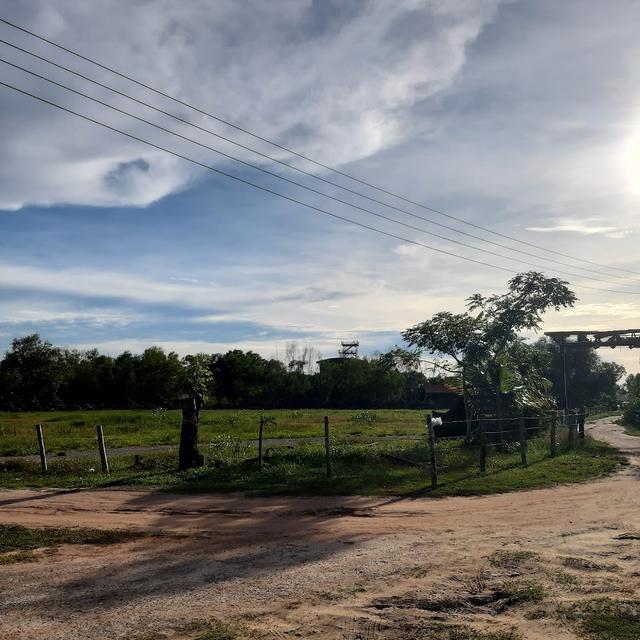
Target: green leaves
484, 342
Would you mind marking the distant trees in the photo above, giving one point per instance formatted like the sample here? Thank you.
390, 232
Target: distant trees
632, 406
590, 381
483, 348
36, 375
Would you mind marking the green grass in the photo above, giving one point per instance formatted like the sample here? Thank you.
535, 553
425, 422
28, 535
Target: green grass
18, 538
429, 630
631, 430
511, 558
67, 430
605, 619
21, 556
358, 468
519, 591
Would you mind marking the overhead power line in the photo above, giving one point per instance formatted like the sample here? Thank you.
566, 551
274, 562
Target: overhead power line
286, 164
305, 157
277, 193
295, 183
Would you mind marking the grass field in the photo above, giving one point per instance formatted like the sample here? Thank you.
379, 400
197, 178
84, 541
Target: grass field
67, 430
358, 468
632, 430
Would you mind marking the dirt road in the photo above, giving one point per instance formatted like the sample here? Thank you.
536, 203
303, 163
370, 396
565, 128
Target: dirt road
327, 567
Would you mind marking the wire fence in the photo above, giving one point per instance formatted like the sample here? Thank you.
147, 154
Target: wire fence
528, 436
486, 444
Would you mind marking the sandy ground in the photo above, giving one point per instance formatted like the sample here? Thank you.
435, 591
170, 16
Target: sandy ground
344, 568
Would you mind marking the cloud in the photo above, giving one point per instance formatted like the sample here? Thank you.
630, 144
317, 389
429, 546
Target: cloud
520, 117
333, 79
585, 227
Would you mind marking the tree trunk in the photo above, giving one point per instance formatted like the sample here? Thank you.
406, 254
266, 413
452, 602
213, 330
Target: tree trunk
465, 400
499, 410
188, 456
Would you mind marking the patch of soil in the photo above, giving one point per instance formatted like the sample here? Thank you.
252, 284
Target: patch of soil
261, 562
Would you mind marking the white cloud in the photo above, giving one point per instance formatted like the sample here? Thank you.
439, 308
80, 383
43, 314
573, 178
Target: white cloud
586, 227
334, 80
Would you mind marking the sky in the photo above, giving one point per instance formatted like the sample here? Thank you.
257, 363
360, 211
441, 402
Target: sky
520, 117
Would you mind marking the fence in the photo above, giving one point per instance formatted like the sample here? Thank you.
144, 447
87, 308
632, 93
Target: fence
553, 432
520, 437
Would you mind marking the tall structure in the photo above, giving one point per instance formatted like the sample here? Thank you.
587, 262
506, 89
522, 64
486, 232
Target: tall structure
582, 339
596, 339
349, 349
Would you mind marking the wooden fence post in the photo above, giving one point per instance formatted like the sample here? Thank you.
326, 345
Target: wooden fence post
483, 448
572, 430
523, 440
327, 448
43, 453
102, 449
581, 418
432, 453
260, 442
553, 445
188, 454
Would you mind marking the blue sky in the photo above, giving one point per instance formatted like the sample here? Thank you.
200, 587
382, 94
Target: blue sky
523, 117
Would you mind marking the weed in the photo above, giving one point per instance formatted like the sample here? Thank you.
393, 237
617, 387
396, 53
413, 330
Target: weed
342, 593
427, 630
21, 556
416, 572
581, 564
519, 591
366, 417
605, 619
16, 537
564, 579
511, 558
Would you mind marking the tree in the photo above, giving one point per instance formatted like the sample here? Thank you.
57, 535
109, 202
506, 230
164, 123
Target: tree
301, 359
454, 335
158, 377
197, 376
484, 342
31, 374
504, 316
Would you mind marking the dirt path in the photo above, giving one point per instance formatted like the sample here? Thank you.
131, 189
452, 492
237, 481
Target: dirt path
327, 567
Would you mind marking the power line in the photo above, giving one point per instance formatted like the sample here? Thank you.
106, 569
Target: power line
295, 183
247, 182
307, 158
277, 193
293, 167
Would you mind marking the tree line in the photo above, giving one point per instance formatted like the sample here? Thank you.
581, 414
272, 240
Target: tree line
480, 351
35, 375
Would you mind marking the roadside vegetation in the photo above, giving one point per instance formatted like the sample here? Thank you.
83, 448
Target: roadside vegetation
19, 538
604, 619
379, 468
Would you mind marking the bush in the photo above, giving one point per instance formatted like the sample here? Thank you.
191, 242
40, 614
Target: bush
366, 417
631, 413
